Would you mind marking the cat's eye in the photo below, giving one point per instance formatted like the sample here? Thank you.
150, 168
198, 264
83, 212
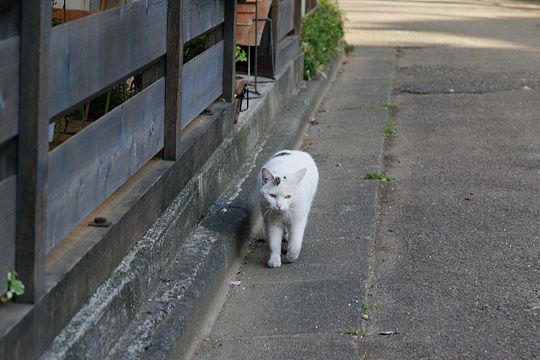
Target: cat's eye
288, 196
273, 195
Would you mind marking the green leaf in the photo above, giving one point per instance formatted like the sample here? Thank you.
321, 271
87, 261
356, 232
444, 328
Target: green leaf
15, 286
240, 54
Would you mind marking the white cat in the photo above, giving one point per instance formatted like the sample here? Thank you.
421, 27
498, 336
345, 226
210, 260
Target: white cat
288, 182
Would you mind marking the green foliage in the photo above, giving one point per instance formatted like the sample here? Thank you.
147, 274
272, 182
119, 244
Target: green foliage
240, 55
365, 308
105, 102
349, 48
194, 48
321, 36
352, 330
390, 106
378, 176
389, 129
15, 287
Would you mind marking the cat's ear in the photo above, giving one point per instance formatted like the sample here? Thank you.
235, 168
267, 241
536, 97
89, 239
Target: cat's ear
266, 176
297, 176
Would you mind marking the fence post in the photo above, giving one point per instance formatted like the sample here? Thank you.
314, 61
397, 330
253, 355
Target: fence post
229, 49
173, 80
33, 148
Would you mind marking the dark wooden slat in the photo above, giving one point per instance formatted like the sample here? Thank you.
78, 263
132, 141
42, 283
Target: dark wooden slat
297, 17
33, 148
8, 190
9, 88
10, 22
286, 18
93, 53
229, 50
8, 159
173, 81
200, 16
202, 82
90, 166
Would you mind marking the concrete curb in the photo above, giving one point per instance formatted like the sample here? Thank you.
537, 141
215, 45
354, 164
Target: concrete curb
157, 301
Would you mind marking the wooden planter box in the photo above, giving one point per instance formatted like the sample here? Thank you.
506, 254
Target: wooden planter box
71, 15
285, 32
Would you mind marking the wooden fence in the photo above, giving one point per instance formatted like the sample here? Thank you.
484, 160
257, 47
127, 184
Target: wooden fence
310, 6
47, 71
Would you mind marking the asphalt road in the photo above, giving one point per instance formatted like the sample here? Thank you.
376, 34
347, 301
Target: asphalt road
455, 266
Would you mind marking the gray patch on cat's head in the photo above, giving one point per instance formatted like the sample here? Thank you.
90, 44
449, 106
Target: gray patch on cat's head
276, 181
266, 176
283, 153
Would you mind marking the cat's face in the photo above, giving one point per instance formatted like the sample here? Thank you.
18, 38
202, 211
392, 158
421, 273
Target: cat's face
279, 192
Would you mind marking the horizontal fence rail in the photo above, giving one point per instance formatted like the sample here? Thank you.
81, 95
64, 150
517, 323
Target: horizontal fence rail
89, 55
90, 166
92, 53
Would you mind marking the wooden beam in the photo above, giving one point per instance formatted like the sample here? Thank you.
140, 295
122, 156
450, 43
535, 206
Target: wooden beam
229, 50
173, 80
33, 147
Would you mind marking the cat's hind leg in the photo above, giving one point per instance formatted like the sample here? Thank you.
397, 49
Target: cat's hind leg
285, 241
274, 234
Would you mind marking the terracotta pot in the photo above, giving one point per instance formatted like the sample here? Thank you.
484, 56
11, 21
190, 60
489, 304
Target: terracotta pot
71, 15
245, 21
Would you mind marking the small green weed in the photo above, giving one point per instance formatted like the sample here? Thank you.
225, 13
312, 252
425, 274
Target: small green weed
389, 130
15, 287
353, 330
365, 308
349, 48
390, 106
240, 54
378, 176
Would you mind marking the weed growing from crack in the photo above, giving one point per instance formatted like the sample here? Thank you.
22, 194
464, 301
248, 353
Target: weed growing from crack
354, 330
389, 129
378, 176
390, 106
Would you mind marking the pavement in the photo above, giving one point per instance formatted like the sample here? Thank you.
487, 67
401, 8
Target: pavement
456, 258
445, 258
301, 310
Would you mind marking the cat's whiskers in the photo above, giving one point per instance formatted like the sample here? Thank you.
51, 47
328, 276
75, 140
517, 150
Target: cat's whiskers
268, 212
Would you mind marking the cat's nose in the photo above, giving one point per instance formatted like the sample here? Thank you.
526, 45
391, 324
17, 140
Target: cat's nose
278, 206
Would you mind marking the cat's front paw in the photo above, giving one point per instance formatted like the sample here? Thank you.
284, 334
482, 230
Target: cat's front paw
274, 261
292, 255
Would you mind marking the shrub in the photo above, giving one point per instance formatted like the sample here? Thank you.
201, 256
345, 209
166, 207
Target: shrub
322, 34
